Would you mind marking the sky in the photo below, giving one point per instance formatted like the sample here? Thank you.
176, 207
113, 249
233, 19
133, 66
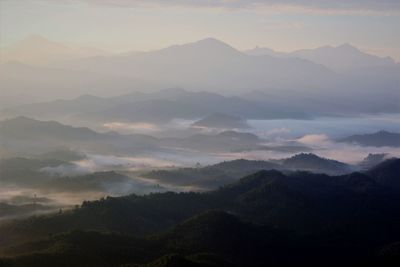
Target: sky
142, 25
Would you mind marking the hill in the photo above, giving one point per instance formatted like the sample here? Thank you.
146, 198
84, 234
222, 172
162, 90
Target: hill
220, 174
314, 163
217, 67
387, 173
341, 58
378, 139
259, 220
224, 66
36, 49
24, 135
267, 197
221, 121
160, 106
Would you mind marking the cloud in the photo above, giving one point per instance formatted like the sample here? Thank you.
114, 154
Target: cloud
314, 139
350, 153
341, 7
141, 127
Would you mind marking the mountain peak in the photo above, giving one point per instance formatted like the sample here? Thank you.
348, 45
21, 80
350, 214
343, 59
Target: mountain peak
211, 40
173, 90
347, 46
209, 45
20, 119
212, 43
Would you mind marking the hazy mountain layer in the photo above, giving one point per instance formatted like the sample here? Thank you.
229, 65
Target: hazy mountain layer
378, 139
366, 84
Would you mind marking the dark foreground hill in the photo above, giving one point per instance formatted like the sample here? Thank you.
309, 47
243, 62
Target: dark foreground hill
265, 219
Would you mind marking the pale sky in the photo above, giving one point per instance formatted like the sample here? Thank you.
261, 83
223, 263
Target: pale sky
285, 25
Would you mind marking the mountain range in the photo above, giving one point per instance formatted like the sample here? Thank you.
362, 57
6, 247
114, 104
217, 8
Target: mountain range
32, 137
378, 139
35, 49
212, 65
340, 58
258, 220
157, 107
221, 121
221, 174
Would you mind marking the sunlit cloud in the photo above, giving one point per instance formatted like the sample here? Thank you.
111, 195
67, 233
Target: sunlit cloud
314, 139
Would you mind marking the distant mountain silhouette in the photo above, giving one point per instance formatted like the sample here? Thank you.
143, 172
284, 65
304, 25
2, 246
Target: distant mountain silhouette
22, 134
340, 58
343, 58
378, 139
262, 51
223, 121
48, 83
208, 63
229, 141
160, 107
26, 128
40, 137
36, 49
212, 65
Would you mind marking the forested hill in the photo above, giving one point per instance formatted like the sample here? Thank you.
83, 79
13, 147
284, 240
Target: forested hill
261, 219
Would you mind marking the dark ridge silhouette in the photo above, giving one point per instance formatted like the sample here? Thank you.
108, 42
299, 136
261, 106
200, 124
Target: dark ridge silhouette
387, 173
260, 219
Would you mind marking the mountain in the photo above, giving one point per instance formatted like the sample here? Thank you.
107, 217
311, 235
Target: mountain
26, 84
266, 219
10, 211
160, 107
36, 49
29, 137
209, 64
226, 141
221, 174
45, 176
358, 76
343, 58
25, 135
212, 176
221, 121
60, 109
372, 160
267, 197
387, 173
262, 51
211, 232
378, 139
313, 163
22, 128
